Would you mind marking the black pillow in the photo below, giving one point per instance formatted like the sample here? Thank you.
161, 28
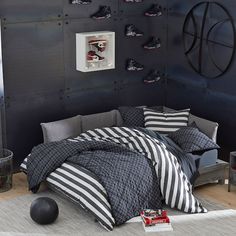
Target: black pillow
190, 139
134, 116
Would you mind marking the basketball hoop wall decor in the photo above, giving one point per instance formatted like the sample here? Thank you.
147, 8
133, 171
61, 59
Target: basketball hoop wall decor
208, 48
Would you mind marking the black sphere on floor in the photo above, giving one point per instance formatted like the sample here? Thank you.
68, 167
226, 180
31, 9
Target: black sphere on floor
44, 210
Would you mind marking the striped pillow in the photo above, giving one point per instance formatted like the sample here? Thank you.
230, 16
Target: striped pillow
165, 122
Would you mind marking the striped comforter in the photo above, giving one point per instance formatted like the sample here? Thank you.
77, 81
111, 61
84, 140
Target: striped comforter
83, 187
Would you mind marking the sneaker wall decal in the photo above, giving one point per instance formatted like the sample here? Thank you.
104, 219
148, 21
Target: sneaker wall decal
133, 65
153, 43
154, 10
93, 57
132, 31
153, 77
104, 12
82, 2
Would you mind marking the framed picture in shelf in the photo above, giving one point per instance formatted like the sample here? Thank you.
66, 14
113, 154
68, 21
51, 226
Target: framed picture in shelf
95, 51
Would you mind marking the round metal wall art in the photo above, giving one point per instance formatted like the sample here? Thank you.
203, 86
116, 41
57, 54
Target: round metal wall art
209, 39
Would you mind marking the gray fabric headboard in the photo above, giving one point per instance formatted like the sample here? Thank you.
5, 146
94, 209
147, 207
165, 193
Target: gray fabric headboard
72, 127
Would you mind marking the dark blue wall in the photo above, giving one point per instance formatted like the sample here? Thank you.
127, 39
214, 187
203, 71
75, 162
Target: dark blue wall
41, 82
214, 99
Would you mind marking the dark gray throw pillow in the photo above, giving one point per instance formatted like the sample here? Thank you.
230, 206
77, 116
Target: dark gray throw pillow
134, 116
190, 139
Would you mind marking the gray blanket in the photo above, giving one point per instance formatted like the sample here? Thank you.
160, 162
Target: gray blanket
128, 177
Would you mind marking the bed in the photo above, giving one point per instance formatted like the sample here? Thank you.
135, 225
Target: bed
107, 133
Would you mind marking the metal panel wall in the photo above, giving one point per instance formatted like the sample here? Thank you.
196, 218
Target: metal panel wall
214, 99
41, 82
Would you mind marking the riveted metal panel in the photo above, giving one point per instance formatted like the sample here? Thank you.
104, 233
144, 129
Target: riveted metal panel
79, 80
90, 101
137, 94
24, 115
33, 57
15, 11
133, 47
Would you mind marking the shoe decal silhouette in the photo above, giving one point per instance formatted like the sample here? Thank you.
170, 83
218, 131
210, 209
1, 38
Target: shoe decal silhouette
133, 65
104, 12
132, 31
152, 77
154, 10
153, 43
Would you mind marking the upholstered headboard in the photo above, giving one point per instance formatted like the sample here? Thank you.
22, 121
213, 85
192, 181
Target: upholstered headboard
72, 127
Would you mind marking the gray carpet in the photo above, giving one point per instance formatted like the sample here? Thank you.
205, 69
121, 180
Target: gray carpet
15, 221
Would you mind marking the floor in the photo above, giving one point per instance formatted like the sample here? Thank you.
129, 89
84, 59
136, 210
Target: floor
219, 193
215, 192
19, 187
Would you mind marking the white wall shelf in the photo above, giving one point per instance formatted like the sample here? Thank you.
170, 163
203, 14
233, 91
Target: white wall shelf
95, 51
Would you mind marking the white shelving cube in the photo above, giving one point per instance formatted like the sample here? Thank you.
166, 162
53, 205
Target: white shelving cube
84, 46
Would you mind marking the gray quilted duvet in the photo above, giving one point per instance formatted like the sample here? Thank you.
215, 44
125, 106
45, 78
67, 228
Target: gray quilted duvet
137, 169
128, 177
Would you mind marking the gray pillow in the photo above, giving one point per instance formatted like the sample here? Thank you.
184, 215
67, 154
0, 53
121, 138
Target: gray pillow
99, 120
62, 129
207, 127
191, 140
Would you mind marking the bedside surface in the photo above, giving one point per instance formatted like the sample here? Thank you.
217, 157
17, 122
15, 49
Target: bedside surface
210, 174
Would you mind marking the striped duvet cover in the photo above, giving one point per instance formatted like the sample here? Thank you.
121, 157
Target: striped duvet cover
83, 187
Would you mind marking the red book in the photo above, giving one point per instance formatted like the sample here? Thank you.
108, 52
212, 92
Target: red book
155, 220
153, 217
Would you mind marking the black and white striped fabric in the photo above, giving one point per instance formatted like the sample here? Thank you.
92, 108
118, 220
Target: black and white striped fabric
82, 187
175, 186
165, 122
